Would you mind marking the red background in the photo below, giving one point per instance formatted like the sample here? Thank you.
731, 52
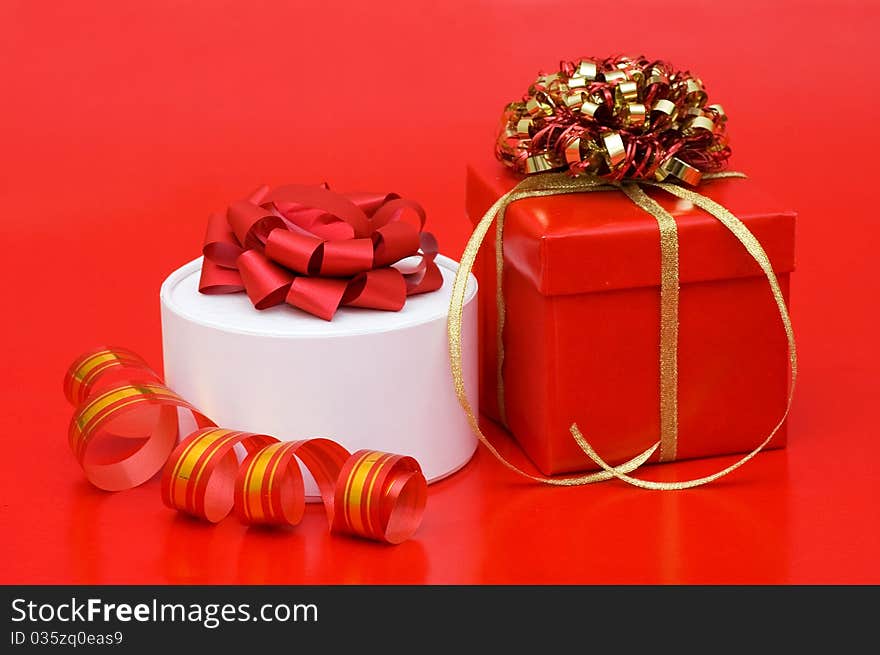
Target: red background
122, 125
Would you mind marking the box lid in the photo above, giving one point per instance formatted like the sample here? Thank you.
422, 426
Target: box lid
600, 241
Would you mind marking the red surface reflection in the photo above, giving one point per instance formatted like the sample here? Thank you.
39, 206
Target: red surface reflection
116, 151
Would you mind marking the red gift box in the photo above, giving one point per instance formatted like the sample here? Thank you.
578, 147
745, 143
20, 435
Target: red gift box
581, 284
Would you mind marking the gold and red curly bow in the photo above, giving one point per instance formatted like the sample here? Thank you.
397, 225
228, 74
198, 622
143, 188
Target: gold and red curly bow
125, 428
319, 250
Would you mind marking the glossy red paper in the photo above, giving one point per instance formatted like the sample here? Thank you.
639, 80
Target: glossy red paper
580, 339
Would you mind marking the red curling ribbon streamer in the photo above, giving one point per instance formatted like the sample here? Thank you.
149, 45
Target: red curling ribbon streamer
368, 494
319, 250
125, 429
125, 423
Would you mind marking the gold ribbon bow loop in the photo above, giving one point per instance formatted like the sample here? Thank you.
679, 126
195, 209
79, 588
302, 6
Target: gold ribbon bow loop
549, 184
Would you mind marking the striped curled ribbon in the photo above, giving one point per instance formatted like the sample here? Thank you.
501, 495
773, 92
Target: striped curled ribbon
125, 429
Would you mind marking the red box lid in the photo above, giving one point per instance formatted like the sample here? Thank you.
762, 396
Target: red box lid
600, 241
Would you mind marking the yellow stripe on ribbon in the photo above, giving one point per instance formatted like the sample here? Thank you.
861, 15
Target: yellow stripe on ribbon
95, 412
185, 464
86, 371
255, 483
87, 367
354, 491
102, 402
216, 443
376, 469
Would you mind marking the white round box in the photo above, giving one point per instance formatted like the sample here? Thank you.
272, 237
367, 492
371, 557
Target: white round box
367, 379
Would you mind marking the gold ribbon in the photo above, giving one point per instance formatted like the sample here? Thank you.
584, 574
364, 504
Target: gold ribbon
549, 184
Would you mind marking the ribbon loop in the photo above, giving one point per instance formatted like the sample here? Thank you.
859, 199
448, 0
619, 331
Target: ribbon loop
317, 295
125, 423
392, 211
383, 288
369, 494
333, 204
266, 283
269, 489
198, 478
98, 369
216, 279
395, 241
251, 224
347, 258
382, 497
221, 246
294, 249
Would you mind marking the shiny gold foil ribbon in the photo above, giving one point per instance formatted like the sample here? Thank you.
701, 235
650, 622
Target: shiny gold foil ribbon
550, 184
615, 118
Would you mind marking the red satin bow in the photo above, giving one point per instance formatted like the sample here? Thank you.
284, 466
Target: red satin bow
319, 250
